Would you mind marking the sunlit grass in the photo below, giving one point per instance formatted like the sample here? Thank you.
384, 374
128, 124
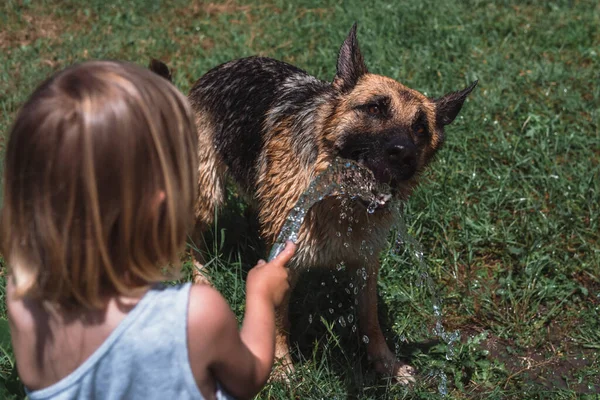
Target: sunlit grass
508, 215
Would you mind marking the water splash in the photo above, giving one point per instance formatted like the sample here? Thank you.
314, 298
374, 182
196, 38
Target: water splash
450, 338
443, 385
341, 178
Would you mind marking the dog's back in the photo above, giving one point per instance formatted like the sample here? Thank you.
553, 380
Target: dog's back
256, 117
237, 102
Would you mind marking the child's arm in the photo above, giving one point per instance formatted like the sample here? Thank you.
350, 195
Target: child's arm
240, 361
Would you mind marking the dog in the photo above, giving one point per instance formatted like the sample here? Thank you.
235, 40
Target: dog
271, 128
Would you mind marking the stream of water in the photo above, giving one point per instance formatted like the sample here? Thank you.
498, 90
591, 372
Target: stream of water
403, 238
341, 178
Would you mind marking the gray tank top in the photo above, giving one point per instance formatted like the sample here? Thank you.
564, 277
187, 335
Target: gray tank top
145, 357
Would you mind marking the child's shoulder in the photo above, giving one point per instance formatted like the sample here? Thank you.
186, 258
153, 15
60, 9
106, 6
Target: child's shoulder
208, 307
211, 326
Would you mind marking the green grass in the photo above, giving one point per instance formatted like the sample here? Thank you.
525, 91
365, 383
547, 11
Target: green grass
508, 215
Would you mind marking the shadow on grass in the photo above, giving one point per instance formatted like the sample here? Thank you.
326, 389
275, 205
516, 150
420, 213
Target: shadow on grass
324, 323
236, 235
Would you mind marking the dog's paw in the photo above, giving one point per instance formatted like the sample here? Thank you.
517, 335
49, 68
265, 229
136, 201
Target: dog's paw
399, 372
404, 374
282, 371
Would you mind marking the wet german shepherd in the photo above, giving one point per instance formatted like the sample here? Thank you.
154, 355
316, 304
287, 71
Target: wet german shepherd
272, 128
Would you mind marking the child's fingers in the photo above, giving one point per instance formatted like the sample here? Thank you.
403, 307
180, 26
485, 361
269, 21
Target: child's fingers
286, 254
260, 262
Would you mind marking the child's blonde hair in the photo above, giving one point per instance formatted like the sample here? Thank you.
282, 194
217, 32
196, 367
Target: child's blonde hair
100, 175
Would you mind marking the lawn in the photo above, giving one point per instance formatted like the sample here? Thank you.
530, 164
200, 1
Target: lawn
508, 216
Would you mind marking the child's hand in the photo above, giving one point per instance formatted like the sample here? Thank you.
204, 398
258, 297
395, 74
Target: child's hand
240, 361
270, 280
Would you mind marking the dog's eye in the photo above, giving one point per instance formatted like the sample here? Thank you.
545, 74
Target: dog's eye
374, 109
420, 130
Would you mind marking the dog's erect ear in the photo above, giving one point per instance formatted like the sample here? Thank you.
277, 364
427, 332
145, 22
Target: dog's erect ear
448, 106
350, 64
160, 68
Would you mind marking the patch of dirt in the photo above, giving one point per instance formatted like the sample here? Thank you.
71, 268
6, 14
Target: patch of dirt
551, 366
193, 13
199, 26
33, 26
201, 8
590, 282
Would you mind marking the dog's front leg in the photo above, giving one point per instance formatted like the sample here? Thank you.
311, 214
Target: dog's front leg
379, 354
283, 359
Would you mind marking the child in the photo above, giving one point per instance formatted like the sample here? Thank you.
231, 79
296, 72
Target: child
99, 185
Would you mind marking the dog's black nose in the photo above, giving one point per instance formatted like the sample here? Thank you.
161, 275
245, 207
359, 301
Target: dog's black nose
401, 154
402, 157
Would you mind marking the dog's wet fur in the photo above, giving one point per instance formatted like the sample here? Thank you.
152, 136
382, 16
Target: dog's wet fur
272, 128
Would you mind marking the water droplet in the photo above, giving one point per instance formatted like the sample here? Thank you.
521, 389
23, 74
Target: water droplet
353, 328
365, 339
371, 208
322, 283
342, 322
339, 305
350, 318
338, 234
310, 318
346, 244
331, 311
443, 385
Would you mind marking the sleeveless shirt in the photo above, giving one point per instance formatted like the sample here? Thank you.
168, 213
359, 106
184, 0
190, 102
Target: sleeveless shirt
145, 357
